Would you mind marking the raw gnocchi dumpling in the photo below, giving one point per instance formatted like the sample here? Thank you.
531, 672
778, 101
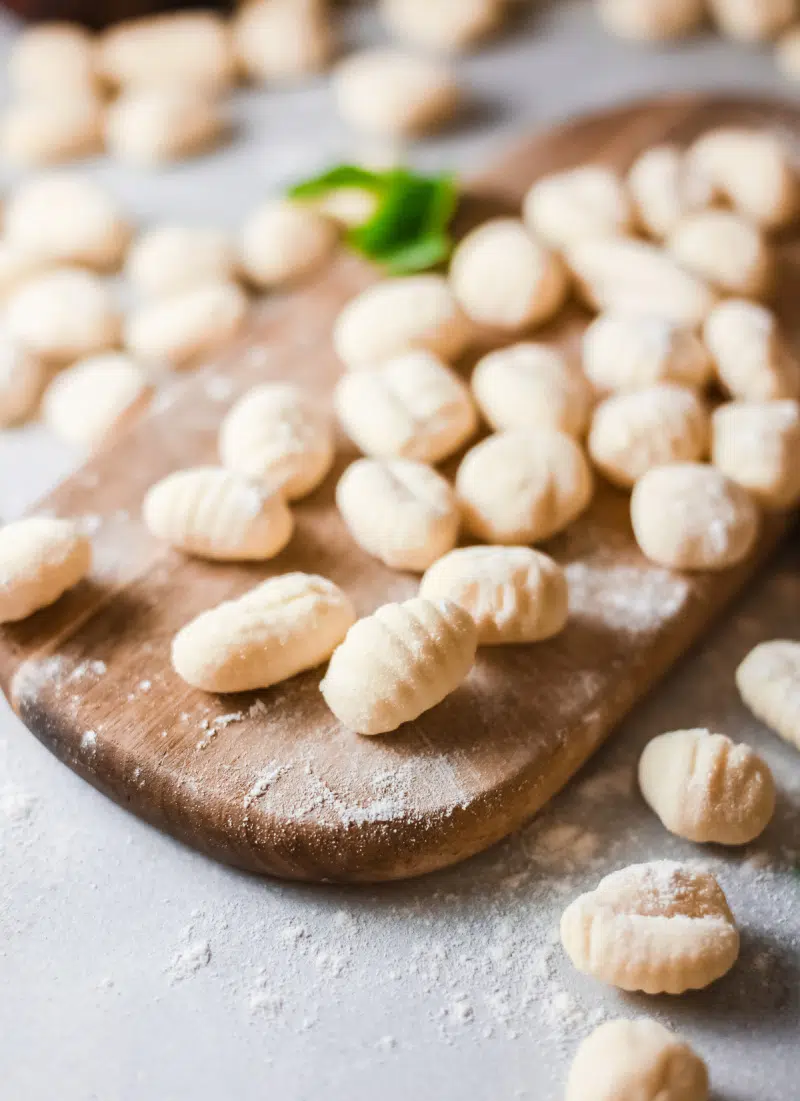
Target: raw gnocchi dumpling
153, 126
214, 513
398, 510
753, 20
769, 682
630, 352
665, 190
442, 24
726, 250
282, 627
279, 41
181, 327
757, 445
283, 242
705, 787
514, 594
63, 315
413, 407
40, 558
652, 20
504, 279
398, 663
94, 400
53, 60
584, 203
171, 259
662, 928
752, 359
522, 487
22, 379
36, 133
280, 437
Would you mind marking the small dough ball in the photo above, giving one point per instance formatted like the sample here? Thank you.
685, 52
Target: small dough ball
688, 516
96, 399
34, 133
17, 267
40, 558
180, 328
753, 20
280, 628
282, 40
277, 435
704, 787
568, 208
523, 487
214, 513
769, 682
622, 276
725, 250
149, 127
636, 1061
398, 510
662, 928
652, 20
65, 219
787, 54
412, 407
188, 50
392, 94
530, 386
665, 190
503, 279
53, 61
64, 315
414, 312
632, 433
398, 663
752, 171
514, 594
630, 352
757, 445
283, 242
22, 380
448, 25
170, 259
753, 361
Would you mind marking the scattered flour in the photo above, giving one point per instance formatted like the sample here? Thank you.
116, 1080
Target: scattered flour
17, 806
190, 959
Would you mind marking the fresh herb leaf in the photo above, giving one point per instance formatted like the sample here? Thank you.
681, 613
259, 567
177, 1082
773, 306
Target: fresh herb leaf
345, 175
427, 252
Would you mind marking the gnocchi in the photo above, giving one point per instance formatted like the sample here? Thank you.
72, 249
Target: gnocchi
751, 357
35, 133
94, 400
631, 352
22, 380
283, 242
181, 327
282, 40
189, 50
769, 683
652, 20
757, 444
153, 126
53, 60
572, 207
171, 259
64, 314
441, 24
665, 190
40, 558
726, 250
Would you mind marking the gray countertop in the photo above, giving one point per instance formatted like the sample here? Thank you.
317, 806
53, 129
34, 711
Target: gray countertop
133, 969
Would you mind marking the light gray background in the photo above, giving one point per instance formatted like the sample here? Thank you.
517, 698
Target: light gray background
132, 969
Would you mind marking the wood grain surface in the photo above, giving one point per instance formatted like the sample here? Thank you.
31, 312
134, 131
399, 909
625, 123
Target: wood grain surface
269, 781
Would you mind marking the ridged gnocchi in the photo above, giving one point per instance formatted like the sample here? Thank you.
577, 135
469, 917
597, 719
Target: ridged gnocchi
40, 558
752, 359
769, 683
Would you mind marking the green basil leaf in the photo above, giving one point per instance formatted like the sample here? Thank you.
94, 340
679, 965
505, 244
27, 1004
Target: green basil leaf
420, 255
345, 175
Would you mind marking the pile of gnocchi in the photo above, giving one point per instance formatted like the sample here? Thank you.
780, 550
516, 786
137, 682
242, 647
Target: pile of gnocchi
677, 261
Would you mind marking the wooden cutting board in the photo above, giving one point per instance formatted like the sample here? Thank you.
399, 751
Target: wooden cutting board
269, 781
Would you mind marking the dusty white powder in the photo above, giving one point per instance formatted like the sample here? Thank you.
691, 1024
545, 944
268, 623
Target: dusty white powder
190, 959
17, 806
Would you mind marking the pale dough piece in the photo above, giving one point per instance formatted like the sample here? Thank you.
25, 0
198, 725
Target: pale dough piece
630, 352
283, 242
757, 445
688, 516
787, 54
153, 126
750, 169
568, 208
180, 328
633, 432
63, 315
213, 513
753, 361
389, 93
652, 20
189, 50
53, 61
665, 190
726, 250
398, 663
18, 267
662, 928
92, 402
277, 435
169, 259
413, 407
523, 487
34, 133
282, 627
447, 25
753, 20
769, 682
279, 41
40, 558
22, 380
704, 787
398, 510
625, 276
514, 594
414, 312
66, 219
636, 1061
504, 279
532, 386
